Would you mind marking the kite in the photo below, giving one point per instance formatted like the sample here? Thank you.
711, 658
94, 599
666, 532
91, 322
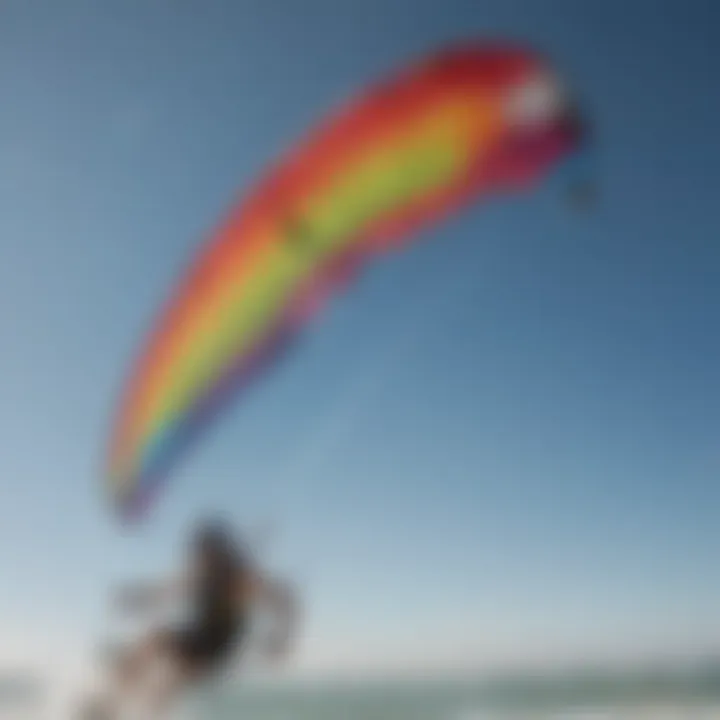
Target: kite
458, 127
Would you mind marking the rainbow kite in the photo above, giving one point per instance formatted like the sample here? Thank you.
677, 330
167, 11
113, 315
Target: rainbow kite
472, 121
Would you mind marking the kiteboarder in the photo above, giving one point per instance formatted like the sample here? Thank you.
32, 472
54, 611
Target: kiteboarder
221, 584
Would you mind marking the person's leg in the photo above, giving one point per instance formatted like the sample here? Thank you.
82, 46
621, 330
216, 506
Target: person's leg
132, 669
186, 659
179, 676
194, 657
152, 674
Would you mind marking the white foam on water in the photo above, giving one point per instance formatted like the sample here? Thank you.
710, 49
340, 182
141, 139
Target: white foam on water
649, 712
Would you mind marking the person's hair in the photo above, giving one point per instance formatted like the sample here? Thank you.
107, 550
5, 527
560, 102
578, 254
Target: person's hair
215, 542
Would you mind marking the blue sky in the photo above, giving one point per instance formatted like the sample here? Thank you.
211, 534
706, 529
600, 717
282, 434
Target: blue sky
506, 436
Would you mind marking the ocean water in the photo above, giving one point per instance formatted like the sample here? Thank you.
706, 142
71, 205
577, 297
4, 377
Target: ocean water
657, 697
693, 695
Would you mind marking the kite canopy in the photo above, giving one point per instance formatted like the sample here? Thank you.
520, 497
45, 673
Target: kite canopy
473, 121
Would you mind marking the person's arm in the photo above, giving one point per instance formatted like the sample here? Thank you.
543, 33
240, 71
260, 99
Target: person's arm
147, 596
280, 599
